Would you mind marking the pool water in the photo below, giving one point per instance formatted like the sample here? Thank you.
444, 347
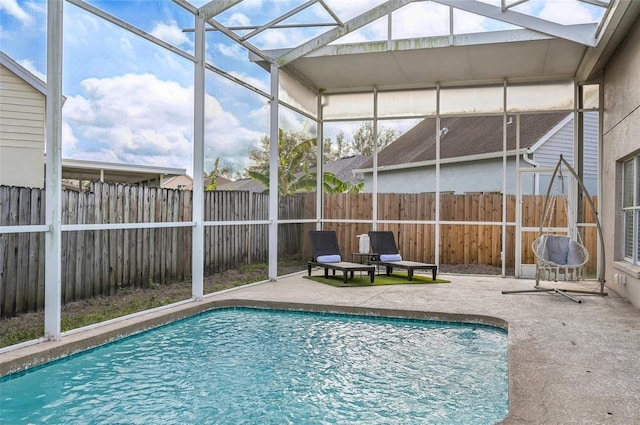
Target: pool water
254, 366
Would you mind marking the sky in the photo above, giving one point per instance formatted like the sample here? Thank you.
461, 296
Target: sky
131, 101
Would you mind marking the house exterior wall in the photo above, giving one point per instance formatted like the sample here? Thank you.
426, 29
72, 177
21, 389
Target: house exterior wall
486, 175
476, 176
562, 143
179, 182
621, 139
22, 132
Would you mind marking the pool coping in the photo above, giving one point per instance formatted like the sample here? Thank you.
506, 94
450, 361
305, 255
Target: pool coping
40, 352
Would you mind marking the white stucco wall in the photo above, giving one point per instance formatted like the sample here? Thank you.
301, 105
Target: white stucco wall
621, 138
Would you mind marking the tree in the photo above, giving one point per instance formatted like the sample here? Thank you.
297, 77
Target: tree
296, 156
363, 139
333, 152
215, 173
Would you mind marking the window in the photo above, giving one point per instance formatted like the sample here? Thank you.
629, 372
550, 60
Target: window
631, 209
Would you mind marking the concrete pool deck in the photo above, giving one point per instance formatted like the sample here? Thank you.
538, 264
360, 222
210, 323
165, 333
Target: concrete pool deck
569, 363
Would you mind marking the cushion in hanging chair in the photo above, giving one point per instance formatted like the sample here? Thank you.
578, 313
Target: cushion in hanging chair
560, 250
576, 254
556, 248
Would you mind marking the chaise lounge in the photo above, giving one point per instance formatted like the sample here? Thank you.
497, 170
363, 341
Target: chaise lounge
383, 244
326, 255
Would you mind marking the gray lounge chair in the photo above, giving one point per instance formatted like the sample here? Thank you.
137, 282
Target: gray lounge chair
383, 244
326, 254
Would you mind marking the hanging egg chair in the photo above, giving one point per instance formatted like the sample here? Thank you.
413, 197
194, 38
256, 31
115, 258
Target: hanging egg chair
559, 251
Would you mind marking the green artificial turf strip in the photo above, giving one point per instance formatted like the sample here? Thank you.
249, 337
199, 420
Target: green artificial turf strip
364, 280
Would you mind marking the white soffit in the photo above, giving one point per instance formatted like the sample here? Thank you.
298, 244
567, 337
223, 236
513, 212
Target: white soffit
466, 59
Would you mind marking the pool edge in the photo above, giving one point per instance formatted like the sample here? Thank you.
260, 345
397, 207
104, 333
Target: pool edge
25, 357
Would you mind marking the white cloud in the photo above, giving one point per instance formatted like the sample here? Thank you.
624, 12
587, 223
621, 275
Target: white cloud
30, 66
238, 19
137, 118
234, 50
172, 34
566, 12
80, 28
12, 8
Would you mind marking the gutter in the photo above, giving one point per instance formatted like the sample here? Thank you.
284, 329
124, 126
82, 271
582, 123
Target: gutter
432, 162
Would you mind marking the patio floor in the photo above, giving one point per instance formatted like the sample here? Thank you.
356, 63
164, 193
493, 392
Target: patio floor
569, 363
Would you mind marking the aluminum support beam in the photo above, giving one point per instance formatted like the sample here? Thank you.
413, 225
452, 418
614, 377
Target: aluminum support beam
320, 166
279, 19
437, 225
374, 206
273, 172
583, 34
215, 7
53, 179
504, 180
124, 25
334, 34
197, 258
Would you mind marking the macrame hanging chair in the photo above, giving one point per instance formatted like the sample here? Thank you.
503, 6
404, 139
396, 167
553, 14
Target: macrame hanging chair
559, 251
559, 255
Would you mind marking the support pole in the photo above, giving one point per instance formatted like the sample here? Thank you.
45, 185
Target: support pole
197, 257
274, 130
53, 180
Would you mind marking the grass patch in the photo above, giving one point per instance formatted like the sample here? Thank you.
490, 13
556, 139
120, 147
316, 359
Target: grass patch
127, 301
380, 280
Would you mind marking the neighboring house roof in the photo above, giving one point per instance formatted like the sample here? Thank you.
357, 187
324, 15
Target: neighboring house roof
465, 136
243, 184
343, 168
77, 169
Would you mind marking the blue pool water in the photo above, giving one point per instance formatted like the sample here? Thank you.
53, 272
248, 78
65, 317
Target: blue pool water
251, 366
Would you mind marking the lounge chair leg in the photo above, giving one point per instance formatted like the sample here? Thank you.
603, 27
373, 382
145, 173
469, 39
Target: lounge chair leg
433, 272
389, 271
344, 276
326, 273
372, 273
410, 274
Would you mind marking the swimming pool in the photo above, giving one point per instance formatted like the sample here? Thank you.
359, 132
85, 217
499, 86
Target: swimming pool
262, 366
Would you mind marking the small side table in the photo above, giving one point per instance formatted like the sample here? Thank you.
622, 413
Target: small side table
360, 257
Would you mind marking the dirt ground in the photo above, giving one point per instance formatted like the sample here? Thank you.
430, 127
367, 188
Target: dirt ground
82, 313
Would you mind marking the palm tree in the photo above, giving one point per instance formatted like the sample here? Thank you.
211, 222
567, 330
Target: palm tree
214, 174
293, 168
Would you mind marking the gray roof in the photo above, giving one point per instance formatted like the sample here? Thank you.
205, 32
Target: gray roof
243, 184
343, 168
464, 136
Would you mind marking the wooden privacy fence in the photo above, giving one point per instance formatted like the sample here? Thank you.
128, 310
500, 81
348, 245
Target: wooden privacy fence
99, 262
459, 243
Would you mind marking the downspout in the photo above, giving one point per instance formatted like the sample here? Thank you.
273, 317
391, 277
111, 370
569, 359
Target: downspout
534, 164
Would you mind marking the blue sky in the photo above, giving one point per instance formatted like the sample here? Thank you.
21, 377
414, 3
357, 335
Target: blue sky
131, 101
